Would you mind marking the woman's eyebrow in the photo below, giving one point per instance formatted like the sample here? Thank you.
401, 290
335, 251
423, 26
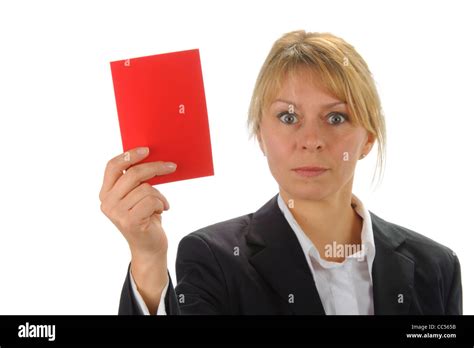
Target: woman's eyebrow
325, 106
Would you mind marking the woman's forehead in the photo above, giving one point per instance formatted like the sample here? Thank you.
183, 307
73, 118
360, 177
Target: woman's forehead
288, 87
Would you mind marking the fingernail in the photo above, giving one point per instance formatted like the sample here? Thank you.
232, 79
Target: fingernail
170, 165
142, 150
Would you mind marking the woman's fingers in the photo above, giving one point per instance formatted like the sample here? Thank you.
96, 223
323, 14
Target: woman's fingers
145, 208
122, 174
138, 193
133, 205
137, 174
116, 166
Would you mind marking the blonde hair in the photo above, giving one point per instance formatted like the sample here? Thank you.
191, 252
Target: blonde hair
332, 62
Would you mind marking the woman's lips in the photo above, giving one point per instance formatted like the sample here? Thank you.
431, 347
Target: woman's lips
310, 171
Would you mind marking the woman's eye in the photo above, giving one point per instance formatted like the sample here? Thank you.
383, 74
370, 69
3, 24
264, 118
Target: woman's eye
287, 118
337, 118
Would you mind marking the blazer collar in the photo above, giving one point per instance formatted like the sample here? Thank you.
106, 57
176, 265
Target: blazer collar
279, 259
392, 272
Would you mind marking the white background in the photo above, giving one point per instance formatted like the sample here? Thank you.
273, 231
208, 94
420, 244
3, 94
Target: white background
58, 128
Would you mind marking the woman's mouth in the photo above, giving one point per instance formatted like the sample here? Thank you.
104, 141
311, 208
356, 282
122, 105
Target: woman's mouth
310, 171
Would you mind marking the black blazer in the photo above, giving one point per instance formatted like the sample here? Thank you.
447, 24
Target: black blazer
253, 263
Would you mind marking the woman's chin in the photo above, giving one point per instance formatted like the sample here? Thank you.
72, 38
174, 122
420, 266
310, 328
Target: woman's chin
303, 193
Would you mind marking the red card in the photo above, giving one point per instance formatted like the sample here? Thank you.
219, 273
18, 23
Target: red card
161, 104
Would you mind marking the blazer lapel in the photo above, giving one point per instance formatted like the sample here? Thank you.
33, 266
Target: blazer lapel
280, 261
392, 272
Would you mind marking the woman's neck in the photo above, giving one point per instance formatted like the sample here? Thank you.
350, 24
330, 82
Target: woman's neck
328, 221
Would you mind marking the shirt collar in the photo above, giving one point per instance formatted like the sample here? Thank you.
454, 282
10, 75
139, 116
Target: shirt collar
367, 235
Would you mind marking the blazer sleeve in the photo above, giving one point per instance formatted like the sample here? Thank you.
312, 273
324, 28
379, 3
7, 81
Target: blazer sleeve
201, 285
454, 299
129, 306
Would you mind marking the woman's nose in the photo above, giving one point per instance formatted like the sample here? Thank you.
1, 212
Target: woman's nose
311, 138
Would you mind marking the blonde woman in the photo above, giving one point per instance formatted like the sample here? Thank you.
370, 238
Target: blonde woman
313, 248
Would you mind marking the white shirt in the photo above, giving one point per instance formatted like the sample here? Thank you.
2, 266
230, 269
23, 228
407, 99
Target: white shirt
344, 288
141, 303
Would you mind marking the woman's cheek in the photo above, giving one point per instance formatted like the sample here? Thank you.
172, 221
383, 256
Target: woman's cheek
277, 148
345, 157
276, 161
346, 145
279, 158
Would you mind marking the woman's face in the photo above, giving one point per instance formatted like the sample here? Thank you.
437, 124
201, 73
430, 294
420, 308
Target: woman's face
306, 127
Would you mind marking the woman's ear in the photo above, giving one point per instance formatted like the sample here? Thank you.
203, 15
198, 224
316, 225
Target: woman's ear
368, 144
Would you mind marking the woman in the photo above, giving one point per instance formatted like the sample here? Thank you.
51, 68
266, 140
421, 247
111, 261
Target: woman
313, 248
